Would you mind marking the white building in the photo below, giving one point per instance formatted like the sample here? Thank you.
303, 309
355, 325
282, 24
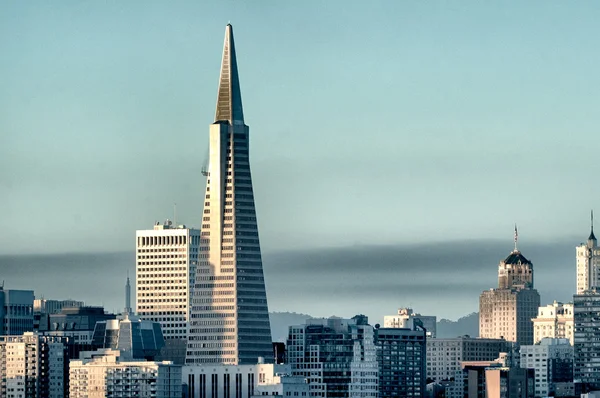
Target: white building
552, 360
166, 259
16, 311
404, 320
33, 366
588, 263
554, 321
335, 355
222, 381
283, 385
101, 373
230, 317
445, 355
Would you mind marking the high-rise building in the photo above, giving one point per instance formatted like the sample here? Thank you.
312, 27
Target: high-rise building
554, 321
337, 356
445, 355
404, 320
33, 366
401, 361
103, 373
586, 317
552, 361
507, 312
588, 263
166, 259
230, 319
16, 311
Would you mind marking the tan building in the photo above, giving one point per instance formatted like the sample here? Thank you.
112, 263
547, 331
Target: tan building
555, 321
507, 312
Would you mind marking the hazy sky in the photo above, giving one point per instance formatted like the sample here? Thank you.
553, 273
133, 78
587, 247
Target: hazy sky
371, 122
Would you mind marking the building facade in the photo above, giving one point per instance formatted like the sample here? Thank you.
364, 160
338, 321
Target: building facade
404, 320
586, 314
401, 360
16, 311
445, 355
588, 263
45, 306
33, 366
166, 259
337, 356
552, 361
507, 312
554, 321
103, 373
230, 319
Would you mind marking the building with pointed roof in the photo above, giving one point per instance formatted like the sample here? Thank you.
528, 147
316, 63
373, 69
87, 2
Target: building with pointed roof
507, 312
588, 262
229, 316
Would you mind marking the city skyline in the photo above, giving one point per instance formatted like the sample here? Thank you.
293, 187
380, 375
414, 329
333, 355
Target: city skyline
474, 114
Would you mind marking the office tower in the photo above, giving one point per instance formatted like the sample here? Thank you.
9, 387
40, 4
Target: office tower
33, 366
588, 263
507, 312
445, 355
401, 361
495, 380
165, 272
16, 311
586, 317
555, 321
404, 320
230, 318
337, 356
552, 361
104, 373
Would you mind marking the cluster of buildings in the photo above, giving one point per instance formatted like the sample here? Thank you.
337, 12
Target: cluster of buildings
201, 329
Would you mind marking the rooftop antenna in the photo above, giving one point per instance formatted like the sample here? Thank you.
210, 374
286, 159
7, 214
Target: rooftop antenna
516, 238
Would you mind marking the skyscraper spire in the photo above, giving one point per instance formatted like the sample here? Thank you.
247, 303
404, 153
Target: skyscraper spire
128, 296
516, 238
229, 96
592, 236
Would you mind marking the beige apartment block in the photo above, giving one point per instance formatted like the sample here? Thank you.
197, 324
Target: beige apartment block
554, 321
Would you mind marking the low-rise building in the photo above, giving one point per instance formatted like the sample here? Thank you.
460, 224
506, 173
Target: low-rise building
102, 373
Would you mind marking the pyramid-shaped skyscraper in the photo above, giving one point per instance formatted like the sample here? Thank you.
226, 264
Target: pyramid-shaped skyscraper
229, 320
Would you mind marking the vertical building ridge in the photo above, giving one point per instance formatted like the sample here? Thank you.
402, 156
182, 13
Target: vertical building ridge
229, 317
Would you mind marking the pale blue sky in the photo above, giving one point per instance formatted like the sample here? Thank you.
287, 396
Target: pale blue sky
393, 122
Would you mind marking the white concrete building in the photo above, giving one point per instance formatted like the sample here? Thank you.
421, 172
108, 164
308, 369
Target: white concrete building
33, 366
283, 385
99, 374
230, 318
45, 306
554, 321
404, 320
588, 263
166, 259
552, 360
445, 355
223, 381
335, 355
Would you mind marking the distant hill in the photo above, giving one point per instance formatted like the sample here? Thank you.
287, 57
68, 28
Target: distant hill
281, 321
467, 325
